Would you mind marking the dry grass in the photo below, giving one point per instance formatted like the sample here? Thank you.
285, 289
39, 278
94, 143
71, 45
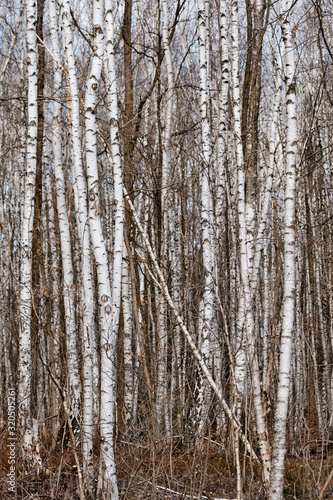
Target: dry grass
157, 471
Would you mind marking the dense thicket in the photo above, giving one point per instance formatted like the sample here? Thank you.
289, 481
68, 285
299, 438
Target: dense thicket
166, 237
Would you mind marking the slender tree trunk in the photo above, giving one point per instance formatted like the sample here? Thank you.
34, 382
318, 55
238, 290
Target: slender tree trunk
246, 298
37, 246
281, 412
207, 219
80, 199
108, 489
25, 305
74, 383
128, 350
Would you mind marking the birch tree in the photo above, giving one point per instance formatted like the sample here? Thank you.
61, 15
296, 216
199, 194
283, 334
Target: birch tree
246, 299
206, 205
279, 446
110, 295
80, 199
29, 430
65, 238
214, 324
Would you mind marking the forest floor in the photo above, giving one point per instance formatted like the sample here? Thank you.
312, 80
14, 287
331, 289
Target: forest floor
167, 473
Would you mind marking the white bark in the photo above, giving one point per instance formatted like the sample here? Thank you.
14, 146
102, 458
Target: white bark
176, 255
162, 392
223, 116
65, 239
80, 198
110, 297
267, 191
267, 313
279, 446
207, 220
52, 277
246, 299
25, 304
94, 209
128, 331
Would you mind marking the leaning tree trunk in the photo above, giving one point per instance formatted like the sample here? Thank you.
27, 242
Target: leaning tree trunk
162, 392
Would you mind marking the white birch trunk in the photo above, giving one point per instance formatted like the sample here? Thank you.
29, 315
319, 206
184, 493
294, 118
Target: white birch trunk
267, 313
162, 392
268, 186
221, 180
246, 299
25, 304
176, 256
207, 219
300, 356
223, 116
128, 331
80, 198
110, 297
74, 382
279, 445
55, 327
94, 207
